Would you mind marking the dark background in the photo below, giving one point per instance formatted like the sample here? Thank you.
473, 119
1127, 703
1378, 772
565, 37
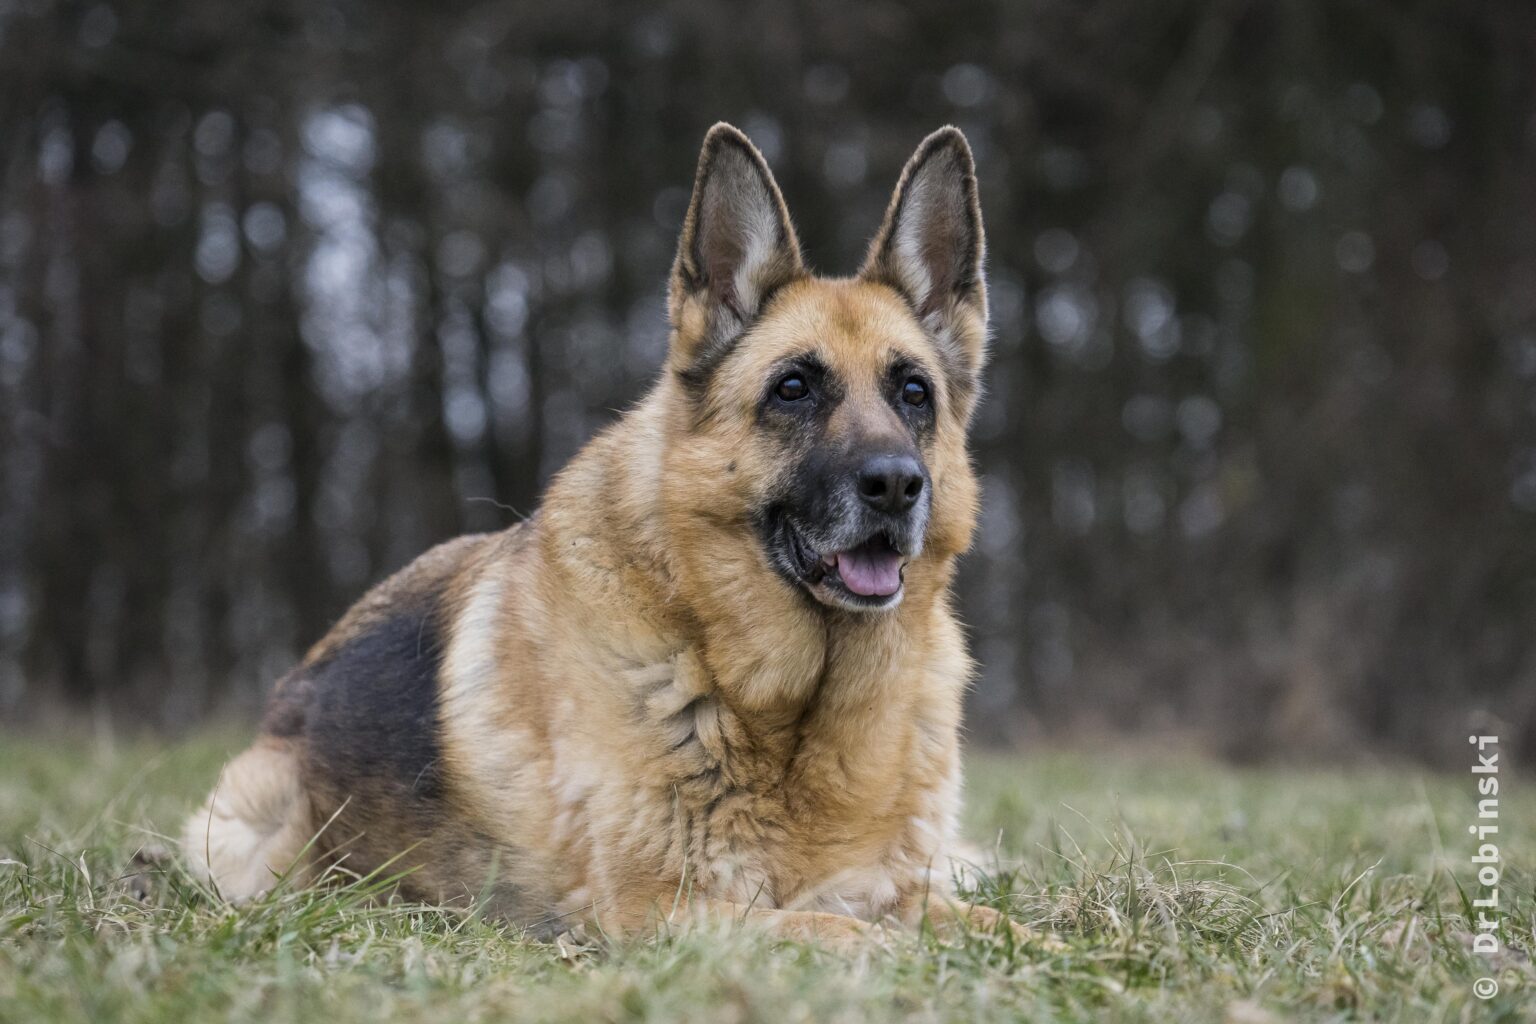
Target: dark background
291, 291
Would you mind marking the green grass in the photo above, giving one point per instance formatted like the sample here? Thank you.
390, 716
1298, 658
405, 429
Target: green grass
1184, 892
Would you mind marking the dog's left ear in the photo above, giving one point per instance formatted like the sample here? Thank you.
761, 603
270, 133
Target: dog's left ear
931, 247
736, 249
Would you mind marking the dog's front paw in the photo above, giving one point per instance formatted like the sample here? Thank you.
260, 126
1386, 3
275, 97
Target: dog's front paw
955, 921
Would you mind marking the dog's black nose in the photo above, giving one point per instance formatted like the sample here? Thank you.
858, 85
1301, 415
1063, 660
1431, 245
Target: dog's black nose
890, 483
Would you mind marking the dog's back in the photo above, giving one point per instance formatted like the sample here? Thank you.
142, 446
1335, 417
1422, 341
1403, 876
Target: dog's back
348, 766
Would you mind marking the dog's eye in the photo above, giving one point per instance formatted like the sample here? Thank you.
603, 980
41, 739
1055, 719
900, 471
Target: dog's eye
914, 392
792, 388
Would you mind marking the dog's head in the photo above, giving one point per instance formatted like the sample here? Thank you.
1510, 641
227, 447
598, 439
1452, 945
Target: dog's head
827, 417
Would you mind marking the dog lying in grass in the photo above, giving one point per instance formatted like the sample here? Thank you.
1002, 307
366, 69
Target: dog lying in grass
717, 674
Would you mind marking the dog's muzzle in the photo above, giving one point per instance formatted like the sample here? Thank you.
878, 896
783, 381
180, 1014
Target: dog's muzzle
854, 554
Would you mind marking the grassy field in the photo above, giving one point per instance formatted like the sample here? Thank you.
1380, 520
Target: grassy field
1184, 891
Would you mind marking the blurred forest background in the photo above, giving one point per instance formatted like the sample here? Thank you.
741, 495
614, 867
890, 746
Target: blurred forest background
290, 291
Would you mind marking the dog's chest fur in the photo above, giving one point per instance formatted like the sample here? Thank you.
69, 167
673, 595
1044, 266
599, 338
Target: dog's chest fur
842, 803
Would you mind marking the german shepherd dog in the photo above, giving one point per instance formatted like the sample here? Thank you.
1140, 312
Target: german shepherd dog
717, 674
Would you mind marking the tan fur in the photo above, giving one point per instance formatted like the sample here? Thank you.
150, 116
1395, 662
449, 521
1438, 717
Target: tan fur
640, 717
251, 831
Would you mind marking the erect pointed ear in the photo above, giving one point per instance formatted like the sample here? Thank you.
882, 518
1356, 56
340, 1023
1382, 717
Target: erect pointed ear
931, 247
737, 247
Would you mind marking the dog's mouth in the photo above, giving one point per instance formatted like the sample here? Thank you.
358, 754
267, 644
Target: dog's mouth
865, 576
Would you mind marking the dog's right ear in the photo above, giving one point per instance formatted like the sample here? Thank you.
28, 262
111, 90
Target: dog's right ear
737, 248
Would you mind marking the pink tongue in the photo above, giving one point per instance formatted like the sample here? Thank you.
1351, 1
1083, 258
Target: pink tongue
870, 572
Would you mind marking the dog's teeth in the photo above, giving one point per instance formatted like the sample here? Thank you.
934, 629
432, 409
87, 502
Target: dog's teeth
828, 560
